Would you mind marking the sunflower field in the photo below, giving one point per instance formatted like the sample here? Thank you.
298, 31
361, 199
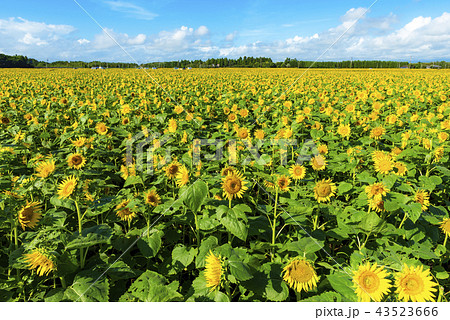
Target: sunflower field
331, 185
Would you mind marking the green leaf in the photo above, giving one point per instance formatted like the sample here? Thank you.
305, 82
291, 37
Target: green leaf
196, 195
414, 210
151, 287
305, 245
205, 246
366, 177
132, 180
90, 237
149, 245
65, 203
342, 284
54, 295
328, 296
276, 289
234, 220
184, 255
344, 187
440, 272
88, 286
371, 223
239, 269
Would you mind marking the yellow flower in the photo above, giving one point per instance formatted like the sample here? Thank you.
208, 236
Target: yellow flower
79, 142
76, 161
172, 169
384, 165
297, 172
45, 168
423, 198
243, 133
283, 183
401, 169
213, 271
344, 130
376, 204
30, 214
377, 132
66, 187
376, 190
172, 125
101, 128
371, 283
232, 117
259, 134
40, 260
233, 185
152, 198
300, 275
322, 148
318, 163
445, 226
124, 213
225, 171
182, 177
324, 190
415, 284
127, 171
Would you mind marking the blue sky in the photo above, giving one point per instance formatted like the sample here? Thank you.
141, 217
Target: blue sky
172, 29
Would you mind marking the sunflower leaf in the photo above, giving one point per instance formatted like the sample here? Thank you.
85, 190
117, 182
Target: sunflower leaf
196, 195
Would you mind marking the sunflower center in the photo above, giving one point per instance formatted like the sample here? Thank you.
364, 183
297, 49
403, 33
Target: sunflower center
323, 190
412, 284
173, 169
301, 272
76, 160
298, 171
369, 281
377, 132
233, 186
151, 198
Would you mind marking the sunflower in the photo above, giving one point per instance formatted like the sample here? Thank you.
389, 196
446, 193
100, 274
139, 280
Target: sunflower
172, 125
324, 190
152, 198
79, 142
125, 121
371, 283
259, 134
376, 204
4, 120
123, 212
127, 171
182, 177
45, 168
300, 274
76, 161
225, 171
243, 133
172, 169
423, 198
213, 271
378, 155
318, 163
30, 214
232, 117
438, 153
415, 284
283, 183
401, 169
377, 132
66, 187
384, 164
445, 226
297, 172
344, 130
233, 185
376, 190
322, 149
101, 128
42, 261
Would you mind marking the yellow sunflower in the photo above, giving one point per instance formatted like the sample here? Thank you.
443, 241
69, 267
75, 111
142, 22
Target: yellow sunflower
124, 213
45, 168
376, 204
423, 198
445, 226
371, 283
259, 134
172, 125
243, 133
384, 165
324, 190
172, 169
283, 183
233, 185
79, 142
232, 117
152, 198
415, 284
377, 132
30, 214
400, 168
182, 177
318, 163
66, 187
297, 172
76, 161
213, 271
376, 190
225, 171
101, 128
127, 171
41, 260
322, 149
344, 130
300, 275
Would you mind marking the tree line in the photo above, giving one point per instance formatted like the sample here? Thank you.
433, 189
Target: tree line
18, 61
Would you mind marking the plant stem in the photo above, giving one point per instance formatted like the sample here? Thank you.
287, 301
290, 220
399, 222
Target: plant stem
445, 240
274, 224
79, 231
403, 220
197, 229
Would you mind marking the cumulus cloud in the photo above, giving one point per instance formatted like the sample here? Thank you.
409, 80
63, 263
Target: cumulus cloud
109, 39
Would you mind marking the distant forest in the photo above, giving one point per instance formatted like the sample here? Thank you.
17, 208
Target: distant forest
18, 61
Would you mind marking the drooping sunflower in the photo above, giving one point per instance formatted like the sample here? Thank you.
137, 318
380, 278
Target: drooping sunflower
182, 177
376, 190
66, 187
415, 284
45, 168
371, 283
233, 185
297, 172
300, 275
30, 214
318, 163
127, 171
101, 128
344, 130
377, 132
172, 169
422, 197
376, 204
41, 260
76, 161
283, 183
445, 226
384, 165
124, 213
152, 198
213, 271
324, 190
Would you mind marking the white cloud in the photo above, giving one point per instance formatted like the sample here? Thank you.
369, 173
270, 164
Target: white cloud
131, 10
109, 39
230, 37
83, 41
